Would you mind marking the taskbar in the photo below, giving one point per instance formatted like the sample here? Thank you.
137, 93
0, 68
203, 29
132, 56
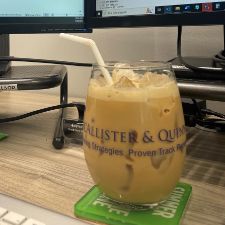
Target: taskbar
190, 8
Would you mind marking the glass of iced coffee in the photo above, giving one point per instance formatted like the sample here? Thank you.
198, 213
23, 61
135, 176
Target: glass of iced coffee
134, 133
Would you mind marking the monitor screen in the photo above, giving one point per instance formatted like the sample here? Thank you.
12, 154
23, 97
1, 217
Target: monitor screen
51, 16
157, 12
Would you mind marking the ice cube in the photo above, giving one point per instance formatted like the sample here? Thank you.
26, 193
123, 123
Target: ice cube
124, 82
169, 107
130, 175
101, 81
162, 163
120, 65
144, 81
156, 161
165, 164
117, 74
154, 79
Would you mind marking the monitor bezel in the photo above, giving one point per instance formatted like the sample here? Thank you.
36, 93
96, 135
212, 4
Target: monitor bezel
30, 25
186, 19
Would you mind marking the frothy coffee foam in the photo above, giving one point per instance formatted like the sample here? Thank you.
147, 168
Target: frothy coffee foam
128, 85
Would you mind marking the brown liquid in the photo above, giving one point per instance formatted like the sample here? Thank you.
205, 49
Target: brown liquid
132, 144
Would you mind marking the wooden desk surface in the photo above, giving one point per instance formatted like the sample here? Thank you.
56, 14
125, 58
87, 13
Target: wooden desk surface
31, 170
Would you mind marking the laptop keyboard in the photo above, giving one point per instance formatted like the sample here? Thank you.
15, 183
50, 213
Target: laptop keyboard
16, 212
12, 218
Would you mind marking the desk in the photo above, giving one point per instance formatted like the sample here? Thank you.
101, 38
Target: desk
31, 170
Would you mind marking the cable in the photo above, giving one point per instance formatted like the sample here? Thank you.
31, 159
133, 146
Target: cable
12, 58
213, 113
23, 116
219, 58
194, 68
61, 106
216, 122
215, 125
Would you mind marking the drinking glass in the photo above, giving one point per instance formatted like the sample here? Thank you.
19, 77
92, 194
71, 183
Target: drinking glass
134, 133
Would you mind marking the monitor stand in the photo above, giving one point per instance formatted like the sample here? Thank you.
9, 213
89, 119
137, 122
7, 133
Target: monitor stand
35, 77
213, 69
4, 51
183, 72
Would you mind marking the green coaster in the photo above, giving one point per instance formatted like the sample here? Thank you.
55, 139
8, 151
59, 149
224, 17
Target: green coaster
95, 207
3, 136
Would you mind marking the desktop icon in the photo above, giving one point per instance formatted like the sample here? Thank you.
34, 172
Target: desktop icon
197, 8
99, 13
148, 11
168, 9
217, 6
177, 8
187, 8
159, 10
206, 7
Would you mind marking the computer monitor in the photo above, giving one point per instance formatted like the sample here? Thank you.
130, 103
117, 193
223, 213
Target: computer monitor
133, 13
138, 13
42, 16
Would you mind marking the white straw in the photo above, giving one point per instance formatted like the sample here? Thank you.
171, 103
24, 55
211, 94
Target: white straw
95, 50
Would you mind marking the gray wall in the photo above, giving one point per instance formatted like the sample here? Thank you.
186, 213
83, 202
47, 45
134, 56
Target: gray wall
118, 44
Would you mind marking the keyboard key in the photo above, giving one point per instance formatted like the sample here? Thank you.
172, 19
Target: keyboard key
2, 211
13, 218
32, 222
4, 223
